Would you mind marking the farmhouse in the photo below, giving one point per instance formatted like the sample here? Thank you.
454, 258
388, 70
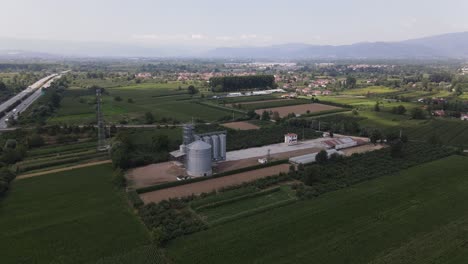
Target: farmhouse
290, 139
440, 113
464, 117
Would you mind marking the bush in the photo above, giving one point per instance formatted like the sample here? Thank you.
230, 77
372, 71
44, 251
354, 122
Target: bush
322, 157
119, 178
135, 199
35, 141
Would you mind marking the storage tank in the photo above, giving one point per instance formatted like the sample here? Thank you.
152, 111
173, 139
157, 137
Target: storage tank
222, 146
188, 134
207, 140
198, 162
215, 147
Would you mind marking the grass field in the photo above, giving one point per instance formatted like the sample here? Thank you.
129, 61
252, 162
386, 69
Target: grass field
69, 217
375, 90
417, 216
164, 101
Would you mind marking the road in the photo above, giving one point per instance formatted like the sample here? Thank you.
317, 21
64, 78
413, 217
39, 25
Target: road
36, 93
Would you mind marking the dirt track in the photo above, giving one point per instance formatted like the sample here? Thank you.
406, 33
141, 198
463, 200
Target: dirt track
241, 125
154, 174
214, 184
24, 176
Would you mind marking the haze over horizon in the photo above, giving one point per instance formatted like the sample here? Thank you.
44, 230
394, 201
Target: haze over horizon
209, 23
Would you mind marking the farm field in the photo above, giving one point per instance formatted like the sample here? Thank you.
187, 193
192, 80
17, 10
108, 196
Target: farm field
241, 126
134, 101
68, 217
298, 109
378, 90
273, 103
232, 208
421, 215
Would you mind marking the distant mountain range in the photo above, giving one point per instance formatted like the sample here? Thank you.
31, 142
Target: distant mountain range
452, 45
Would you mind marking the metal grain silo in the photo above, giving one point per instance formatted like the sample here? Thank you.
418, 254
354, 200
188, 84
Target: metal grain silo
198, 161
188, 134
222, 146
207, 140
215, 147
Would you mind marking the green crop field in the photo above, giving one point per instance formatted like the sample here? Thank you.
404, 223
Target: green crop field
451, 132
70, 217
232, 208
380, 90
279, 103
417, 216
160, 100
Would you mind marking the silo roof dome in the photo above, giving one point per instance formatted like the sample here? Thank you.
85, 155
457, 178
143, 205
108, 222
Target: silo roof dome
199, 145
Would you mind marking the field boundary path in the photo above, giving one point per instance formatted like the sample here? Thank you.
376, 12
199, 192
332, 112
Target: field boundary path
25, 176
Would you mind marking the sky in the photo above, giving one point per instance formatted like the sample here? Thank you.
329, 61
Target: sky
230, 23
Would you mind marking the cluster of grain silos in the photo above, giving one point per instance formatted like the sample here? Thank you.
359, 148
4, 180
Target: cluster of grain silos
200, 150
218, 145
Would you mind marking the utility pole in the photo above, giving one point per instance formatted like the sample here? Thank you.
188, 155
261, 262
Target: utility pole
102, 144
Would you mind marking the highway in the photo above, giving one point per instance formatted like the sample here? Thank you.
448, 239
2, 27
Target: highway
35, 89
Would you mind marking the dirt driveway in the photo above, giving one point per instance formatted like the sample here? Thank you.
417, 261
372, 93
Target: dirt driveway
214, 184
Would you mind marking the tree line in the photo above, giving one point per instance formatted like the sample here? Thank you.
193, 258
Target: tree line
237, 83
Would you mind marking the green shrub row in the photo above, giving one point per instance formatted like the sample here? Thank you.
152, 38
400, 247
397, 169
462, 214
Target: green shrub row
134, 199
335, 104
332, 111
252, 212
42, 165
56, 156
6, 176
61, 148
214, 196
236, 199
199, 179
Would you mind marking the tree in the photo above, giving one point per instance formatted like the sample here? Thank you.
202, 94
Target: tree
55, 99
350, 82
376, 135
35, 141
276, 116
311, 176
118, 98
251, 114
265, 116
321, 157
120, 155
149, 118
399, 110
160, 143
396, 149
417, 113
192, 90
130, 100
377, 107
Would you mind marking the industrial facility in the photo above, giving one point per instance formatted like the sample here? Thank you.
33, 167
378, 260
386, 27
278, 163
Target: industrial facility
199, 151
